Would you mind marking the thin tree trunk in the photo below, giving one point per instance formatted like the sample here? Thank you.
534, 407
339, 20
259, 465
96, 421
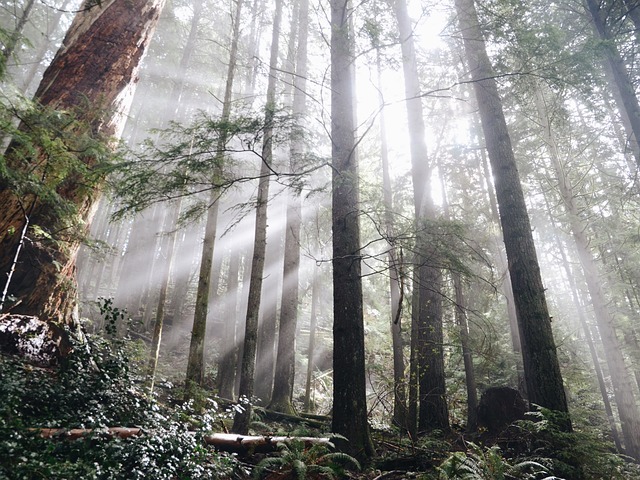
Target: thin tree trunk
164, 274
45, 45
12, 42
247, 373
229, 355
195, 362
541, 365
433, 408
460, 306
575, 296
285, 364
395, 275
311, 349
268, 322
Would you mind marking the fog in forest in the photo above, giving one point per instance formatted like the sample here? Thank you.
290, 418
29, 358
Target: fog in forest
574, 147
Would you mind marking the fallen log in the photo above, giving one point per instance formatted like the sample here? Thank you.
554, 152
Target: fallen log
226, 442
75, 433
231, 442
279, 416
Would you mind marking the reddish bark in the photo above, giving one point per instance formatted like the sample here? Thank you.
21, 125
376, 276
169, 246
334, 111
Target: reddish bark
92, 76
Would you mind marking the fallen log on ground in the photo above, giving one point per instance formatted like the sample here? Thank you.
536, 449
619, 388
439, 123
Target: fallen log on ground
279, 416
226, 442
75, 433
231, 442
310, 419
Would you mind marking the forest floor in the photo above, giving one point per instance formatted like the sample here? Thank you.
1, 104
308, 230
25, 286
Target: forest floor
98, 386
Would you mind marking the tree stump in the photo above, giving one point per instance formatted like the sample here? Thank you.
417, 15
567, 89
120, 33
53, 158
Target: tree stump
499, 407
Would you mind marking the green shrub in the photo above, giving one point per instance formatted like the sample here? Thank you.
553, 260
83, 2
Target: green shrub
575, 455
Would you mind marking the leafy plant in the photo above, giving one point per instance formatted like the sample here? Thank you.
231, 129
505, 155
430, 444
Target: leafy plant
92, 389
297, 461
576, 454
480, 463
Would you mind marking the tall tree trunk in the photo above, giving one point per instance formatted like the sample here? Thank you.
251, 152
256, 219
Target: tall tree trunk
285, 363
44, 278
433, 409
504, 275
620, 378
247, 373
540, 359
395, 274
195, 362
349, 386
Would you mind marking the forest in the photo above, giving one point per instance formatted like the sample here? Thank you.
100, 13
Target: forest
386, 239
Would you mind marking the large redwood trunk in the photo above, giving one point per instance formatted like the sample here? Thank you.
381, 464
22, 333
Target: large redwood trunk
93, 76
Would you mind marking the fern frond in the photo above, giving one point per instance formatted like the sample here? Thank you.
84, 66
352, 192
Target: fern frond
299, 469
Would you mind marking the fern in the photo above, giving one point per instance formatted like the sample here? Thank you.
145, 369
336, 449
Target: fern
298, 461
489, 464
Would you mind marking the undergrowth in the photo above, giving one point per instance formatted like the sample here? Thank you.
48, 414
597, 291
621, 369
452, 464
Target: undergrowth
95, 388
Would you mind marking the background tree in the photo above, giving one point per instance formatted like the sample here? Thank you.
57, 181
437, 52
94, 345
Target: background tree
242, 418
195, 365
285, 362
427, 336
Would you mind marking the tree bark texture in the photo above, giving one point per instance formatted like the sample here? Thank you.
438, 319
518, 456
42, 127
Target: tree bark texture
541, 366
92, 75
505, 276
349, 388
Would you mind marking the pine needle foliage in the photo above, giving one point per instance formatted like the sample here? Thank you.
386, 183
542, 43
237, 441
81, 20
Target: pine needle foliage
50, 151
189, 160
